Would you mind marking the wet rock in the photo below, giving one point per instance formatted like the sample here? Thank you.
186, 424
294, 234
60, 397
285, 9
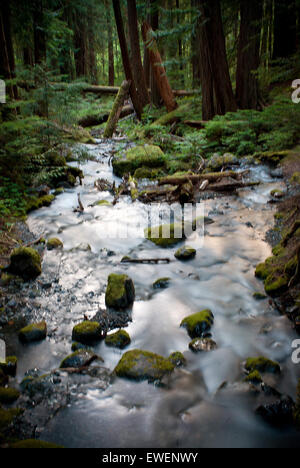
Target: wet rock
185, 253
277, 173
259, 296
81, 358
34, 444
41, 386
77, 346
277, 194
120, 292
33, 332
263, 365
9, 367
7, 417
143, 365
8, 395
26, 263
279, 413
161, 283
120, 340
177, 359
87, 332
54, 244
199, 323
202, 345
165, 235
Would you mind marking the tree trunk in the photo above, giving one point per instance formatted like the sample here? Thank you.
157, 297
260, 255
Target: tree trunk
39, 35
125, 57
218, 97
154, 22
7, 59
111, 58
117, 109
80, 44
158, 68
247, 88
195, 48
285, 28
137, 67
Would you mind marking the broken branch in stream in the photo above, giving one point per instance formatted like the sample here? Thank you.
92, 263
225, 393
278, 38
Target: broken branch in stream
142, 261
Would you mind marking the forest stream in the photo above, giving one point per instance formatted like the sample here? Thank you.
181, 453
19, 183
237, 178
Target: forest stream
196, 408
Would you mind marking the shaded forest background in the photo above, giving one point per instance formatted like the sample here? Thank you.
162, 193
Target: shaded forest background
239, 57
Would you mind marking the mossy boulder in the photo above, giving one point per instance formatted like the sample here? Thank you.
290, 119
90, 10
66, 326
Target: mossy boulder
276, 283
77, 346
120, 292
8, 395
198, 324
34, 444
147, 156
254, 378
87, 333
143, 365
81, 358
34, 332
34, 203
165, 235
185, 253
9, 367
120, 339
54, 244
259, 296
199, 345
148, 173
177, 359
295, 179
3, 379
162, 283
26, 263
263, 365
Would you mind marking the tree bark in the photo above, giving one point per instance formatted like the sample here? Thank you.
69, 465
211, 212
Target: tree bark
195, 48
111, 57
137, 67
218, 97
158, 68
117, 109
154, 22
39, 35
247, 88
7, 58
125, 57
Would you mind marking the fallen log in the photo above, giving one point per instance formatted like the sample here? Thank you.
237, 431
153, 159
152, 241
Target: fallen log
198, 124
230, 185
142, 261
117, 109
93, 120
198, 178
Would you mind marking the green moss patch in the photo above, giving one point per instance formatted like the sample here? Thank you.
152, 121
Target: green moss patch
26, 263
54, 244
8, 395
165, 235
254, 378
9, 367
177, 359
81, 358
263, 365
120, 339
186, 253
87, 332
162, 283
33, 332
199, 323
120, 292
143, 365
147, 156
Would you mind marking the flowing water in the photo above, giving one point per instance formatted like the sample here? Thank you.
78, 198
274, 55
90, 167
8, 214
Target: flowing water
192, 412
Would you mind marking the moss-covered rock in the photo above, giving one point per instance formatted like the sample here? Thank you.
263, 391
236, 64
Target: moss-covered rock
8, 416
263, 365
141, 156
54, 244
177, 359
199, 345
254, 378
102, 203
148, 173
77, 346
295, 179
120, 340
120, 292
276, 284
81, 358
8, 395
259, 296
165, 235
199, 323
3, 379
185, 253
34, 444
9, 367
87, 332
162, 283
26, 263
142, 365
33, 332
37, 203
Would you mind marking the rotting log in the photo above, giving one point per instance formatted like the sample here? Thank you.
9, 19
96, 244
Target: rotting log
196, 178
117, 109
159, 70
198, 124
143, 261
93, 120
